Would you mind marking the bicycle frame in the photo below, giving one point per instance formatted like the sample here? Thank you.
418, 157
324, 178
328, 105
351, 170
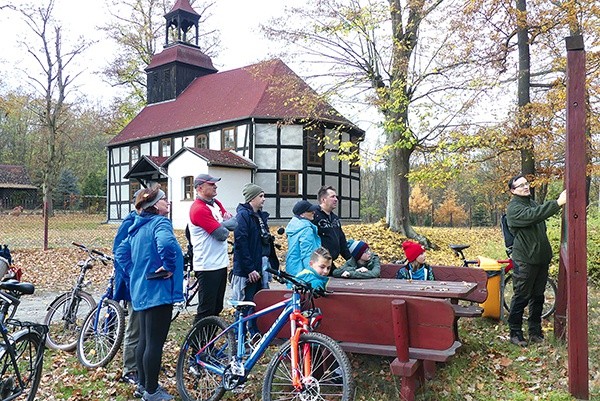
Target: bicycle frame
291, 311
108, 294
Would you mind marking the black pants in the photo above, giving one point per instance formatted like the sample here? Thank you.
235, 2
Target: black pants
529, 283
154, 327
211, 291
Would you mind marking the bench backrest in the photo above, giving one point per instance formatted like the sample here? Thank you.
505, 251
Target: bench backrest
450, 273
367, 319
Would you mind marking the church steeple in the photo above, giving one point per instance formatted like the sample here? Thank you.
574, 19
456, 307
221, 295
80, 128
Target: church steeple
180, 20
181, 61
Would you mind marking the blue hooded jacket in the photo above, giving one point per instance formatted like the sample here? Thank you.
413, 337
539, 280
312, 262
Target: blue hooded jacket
150, 245
303, 239
121, 290
249, 248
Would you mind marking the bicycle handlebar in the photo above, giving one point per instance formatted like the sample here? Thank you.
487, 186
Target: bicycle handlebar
102, 256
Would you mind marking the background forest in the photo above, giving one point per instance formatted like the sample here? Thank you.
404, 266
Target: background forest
455, 96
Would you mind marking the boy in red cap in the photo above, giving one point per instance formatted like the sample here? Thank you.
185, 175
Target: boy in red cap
416, 268
362, 264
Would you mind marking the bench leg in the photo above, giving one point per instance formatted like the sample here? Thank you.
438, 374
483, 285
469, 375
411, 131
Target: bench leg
411, 374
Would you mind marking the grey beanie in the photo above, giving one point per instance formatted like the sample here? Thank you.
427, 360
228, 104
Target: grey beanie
251, 191
152, 202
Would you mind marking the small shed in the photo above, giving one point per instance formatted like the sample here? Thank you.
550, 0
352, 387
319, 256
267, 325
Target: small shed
16, 189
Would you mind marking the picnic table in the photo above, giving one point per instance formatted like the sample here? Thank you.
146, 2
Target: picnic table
386, 286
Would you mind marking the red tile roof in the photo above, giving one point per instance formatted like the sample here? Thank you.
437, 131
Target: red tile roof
183, 5
269, 89
216, 158
183, 53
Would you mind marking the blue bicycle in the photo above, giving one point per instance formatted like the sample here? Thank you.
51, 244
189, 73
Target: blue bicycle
215, 357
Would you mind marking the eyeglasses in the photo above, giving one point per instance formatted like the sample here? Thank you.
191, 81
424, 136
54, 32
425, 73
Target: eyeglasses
523, 185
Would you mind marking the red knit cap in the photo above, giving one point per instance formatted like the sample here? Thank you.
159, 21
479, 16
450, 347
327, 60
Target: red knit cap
412, 250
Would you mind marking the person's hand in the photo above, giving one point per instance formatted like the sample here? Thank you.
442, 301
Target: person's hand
253, 276
346, 274
227, 216
562, 198
362, 270
162, 269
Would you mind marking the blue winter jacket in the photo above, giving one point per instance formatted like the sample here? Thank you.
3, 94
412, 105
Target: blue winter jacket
121, 290
150, 245
309, 276
303, 239
249, 248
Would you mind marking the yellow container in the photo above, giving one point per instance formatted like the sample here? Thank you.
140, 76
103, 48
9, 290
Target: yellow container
492, 307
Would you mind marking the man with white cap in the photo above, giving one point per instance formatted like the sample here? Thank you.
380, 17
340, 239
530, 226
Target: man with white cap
210, 225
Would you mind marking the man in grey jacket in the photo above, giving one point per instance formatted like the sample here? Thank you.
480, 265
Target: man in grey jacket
531, 254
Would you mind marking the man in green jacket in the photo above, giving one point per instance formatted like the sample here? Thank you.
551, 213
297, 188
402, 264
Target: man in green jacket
531, 254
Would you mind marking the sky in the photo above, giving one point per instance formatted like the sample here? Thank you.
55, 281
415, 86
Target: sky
242, 43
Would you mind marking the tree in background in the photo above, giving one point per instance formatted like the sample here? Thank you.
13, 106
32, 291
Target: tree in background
420, 205
52, 85
450, 212
373, 194
67, 190
371, 51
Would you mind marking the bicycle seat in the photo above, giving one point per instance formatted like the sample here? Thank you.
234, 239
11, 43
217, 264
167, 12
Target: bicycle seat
17, 286
458, 248
237, 304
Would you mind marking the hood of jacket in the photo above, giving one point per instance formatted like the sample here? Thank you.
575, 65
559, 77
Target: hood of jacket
297, 224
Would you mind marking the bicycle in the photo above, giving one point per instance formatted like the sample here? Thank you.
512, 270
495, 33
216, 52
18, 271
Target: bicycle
190, 286
22, 352
215, 358
103, 329
508, 266
67, 312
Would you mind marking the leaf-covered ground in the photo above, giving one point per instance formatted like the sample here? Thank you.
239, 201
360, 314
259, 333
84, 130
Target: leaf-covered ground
486, 368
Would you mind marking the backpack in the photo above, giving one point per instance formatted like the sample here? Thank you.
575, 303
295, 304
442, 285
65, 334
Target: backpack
509, 237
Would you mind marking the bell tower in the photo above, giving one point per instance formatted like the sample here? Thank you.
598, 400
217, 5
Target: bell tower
181, 61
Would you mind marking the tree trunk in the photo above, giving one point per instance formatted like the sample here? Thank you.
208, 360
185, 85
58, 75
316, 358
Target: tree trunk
523, 90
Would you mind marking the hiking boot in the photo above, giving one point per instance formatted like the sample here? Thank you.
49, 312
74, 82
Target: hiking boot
536, 338
130, 378
159, 395
516, 337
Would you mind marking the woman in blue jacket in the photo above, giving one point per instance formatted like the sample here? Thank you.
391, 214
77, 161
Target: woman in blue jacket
303, 237
152, 258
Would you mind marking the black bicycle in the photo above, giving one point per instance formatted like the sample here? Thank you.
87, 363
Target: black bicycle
508, 266
68, 311
103, 328
21, 351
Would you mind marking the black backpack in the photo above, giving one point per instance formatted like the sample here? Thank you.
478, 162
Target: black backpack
5, 253
509, 237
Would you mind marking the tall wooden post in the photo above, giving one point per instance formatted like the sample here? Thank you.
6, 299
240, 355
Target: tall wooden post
574, 239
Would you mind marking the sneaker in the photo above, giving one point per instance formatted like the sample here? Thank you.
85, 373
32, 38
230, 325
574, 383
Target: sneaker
159, 395
536, 338
130, 378
516, 337
139, 391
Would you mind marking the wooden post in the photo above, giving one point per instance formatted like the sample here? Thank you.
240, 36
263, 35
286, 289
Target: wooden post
574, 243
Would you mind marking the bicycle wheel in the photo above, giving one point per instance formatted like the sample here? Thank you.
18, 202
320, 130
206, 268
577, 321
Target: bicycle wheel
328, 376
29, 352
194, 382
65, 318
96, 348
549, 297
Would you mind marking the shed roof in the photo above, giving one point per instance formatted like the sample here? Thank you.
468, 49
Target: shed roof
15, 176
269, 89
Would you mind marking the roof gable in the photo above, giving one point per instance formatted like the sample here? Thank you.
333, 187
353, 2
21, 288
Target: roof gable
269, 89
223, 158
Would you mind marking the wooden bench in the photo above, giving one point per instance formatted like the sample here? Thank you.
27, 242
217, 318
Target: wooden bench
451, 273
417, 332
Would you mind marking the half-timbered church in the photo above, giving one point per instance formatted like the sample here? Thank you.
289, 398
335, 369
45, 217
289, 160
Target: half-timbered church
260, 123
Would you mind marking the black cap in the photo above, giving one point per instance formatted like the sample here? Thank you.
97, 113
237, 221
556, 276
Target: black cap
304, 206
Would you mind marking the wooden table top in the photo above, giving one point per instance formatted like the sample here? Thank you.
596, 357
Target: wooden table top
433, 289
